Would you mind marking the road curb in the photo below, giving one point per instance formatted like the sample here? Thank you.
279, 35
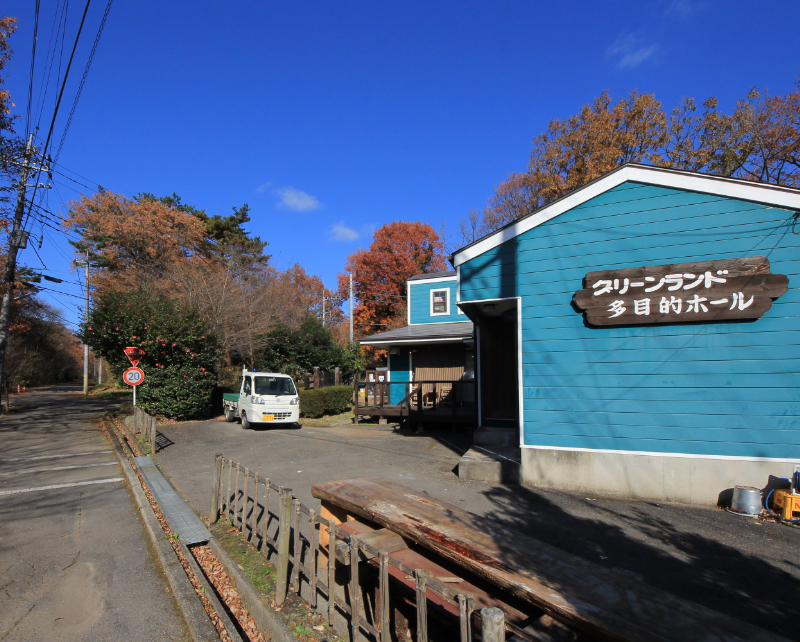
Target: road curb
197, 620
252, 599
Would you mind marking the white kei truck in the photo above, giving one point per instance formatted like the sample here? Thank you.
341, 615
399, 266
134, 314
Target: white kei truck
263, 398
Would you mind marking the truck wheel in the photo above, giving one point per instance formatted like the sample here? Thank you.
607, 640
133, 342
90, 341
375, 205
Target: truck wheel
230, 416
245, 423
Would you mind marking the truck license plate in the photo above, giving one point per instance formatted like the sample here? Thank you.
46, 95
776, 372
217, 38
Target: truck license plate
266, 417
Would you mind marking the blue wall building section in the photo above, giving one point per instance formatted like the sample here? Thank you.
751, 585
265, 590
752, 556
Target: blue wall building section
720, 389
419, 302
399, 371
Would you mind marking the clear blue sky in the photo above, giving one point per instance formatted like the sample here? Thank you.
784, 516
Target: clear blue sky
331, 119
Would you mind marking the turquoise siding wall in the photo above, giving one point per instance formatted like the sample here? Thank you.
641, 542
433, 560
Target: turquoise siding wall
400, 371
708, 389
420, 302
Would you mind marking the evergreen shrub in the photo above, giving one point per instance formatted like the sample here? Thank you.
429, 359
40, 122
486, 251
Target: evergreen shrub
325, 401
181, 355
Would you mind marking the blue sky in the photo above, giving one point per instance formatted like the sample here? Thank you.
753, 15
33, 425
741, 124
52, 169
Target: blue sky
331, 119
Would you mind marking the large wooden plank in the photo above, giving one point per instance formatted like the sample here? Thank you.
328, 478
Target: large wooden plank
571, 589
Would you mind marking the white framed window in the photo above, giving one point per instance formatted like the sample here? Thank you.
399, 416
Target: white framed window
440, 302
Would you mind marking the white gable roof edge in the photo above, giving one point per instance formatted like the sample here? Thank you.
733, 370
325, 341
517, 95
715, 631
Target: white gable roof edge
775, 195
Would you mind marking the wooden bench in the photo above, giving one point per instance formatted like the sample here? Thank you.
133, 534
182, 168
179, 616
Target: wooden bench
584, 596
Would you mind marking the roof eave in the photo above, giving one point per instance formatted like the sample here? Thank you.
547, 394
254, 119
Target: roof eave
775, 195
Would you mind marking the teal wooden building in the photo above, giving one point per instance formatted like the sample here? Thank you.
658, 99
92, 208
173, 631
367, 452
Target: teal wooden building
681, 405
436, 345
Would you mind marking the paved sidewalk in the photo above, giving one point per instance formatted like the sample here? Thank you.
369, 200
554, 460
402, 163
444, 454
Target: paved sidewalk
75, 562
737, 566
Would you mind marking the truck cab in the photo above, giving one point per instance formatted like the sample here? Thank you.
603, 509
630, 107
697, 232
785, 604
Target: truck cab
264, 398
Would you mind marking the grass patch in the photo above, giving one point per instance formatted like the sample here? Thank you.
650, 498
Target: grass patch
295, 611
110, 392
329, 420
259, 571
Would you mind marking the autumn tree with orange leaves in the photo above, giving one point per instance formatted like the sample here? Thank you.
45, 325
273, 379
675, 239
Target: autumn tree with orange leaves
398, 251
132, 242
11, 146
759, 140
207, 264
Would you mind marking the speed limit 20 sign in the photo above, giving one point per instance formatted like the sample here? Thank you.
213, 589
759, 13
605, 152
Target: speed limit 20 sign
133, 376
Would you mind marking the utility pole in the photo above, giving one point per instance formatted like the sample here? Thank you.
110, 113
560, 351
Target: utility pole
16, 240
351, 308
323, 307
86, 325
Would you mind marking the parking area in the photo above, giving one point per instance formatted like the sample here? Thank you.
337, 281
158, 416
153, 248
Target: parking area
742, 567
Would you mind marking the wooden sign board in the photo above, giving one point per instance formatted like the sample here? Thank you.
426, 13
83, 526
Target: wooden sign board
723, 290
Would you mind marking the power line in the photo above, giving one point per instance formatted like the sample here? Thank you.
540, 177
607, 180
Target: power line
77, 296
397, 296
69, 178
33, 62
51, 49
83, 78
60, 96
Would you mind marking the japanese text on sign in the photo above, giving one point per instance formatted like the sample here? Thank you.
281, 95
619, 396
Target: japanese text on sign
727, 289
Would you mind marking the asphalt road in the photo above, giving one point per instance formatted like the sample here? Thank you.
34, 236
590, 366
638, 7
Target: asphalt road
740, 567
75, 562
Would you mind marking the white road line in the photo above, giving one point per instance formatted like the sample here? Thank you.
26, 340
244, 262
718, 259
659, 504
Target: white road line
94, 452
85, 483
48, 470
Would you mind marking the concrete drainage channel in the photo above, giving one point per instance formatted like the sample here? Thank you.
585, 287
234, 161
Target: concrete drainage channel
217, 600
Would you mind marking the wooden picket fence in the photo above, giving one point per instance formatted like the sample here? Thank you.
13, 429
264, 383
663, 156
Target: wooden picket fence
245, 500
145, 425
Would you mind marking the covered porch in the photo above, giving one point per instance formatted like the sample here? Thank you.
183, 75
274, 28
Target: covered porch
430, 376
432, 401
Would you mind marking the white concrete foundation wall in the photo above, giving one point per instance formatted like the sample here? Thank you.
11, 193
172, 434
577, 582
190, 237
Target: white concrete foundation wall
679, 479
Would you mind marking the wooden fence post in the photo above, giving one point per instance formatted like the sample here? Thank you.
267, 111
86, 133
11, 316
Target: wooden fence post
337, 378
265, 519
245, 495
312, 562
331, 571
254, 518
298, 547
465, 617
422, 606
228, 495
236, 498
355, 591
284, 533
383, 583
493, 628
355, 397
217, 484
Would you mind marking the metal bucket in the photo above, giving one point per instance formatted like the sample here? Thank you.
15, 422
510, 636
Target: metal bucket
746, 500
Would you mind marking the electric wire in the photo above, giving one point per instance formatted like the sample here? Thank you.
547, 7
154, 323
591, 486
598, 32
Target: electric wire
77, 296
69, 178
33, 63
51, 56
60, 96
83, 78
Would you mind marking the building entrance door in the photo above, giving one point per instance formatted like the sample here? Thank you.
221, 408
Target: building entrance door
498, 369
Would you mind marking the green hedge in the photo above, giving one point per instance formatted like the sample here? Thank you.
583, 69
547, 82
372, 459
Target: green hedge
325, 401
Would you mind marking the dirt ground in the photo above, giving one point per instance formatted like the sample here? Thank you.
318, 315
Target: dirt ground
738, 566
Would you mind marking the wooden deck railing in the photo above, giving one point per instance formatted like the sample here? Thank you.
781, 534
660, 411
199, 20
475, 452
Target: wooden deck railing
418, 397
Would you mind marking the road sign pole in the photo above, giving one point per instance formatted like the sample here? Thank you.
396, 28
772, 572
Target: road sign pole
134, 396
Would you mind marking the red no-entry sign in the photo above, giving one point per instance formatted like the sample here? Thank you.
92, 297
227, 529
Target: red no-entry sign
133, 376
134, 355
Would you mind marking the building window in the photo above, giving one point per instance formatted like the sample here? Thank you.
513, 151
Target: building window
440, 302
